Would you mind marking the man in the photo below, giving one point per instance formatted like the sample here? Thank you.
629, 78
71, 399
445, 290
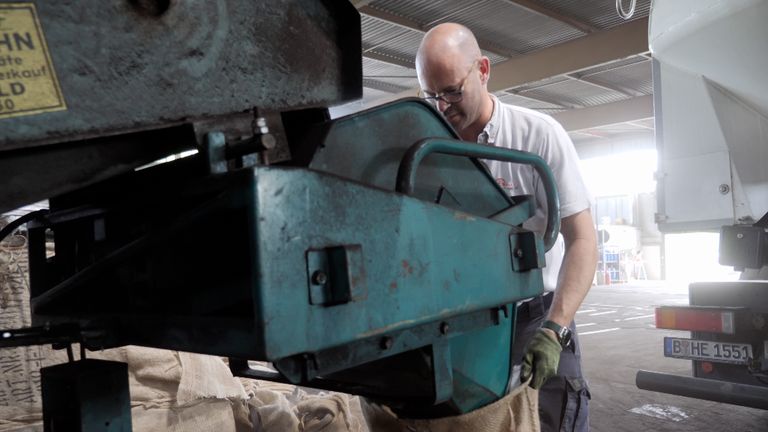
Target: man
453, 75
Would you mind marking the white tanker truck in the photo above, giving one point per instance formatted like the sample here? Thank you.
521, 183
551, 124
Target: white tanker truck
710, 70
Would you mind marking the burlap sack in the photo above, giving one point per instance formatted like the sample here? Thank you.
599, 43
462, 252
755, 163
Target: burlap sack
20, 396
286, 408
516, 412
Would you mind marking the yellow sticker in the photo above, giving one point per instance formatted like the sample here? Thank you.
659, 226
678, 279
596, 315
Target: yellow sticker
28, 83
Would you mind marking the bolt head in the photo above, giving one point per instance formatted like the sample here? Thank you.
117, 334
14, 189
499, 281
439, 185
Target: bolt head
319, 277
268, 141
444, 328
386, 343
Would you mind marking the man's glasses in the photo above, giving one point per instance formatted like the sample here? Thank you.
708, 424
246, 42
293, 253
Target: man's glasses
449, 97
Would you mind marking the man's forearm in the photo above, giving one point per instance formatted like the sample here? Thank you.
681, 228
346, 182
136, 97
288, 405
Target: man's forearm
574, 282
578, 267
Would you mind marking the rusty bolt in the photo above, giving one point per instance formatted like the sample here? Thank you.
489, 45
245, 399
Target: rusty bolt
444, 327
268, 141
386, 343
319, 277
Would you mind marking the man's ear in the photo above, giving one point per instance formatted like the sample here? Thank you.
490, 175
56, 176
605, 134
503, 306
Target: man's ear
485, 69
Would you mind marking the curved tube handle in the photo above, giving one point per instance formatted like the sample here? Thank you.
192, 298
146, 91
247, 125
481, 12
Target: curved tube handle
406, 172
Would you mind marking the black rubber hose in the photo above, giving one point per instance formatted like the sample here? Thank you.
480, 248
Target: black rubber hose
11, 227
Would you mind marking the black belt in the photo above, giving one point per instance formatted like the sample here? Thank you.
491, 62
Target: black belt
535, 307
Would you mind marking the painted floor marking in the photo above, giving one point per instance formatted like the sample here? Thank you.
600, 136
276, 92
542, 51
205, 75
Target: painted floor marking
639, 317
598, 331
603, 313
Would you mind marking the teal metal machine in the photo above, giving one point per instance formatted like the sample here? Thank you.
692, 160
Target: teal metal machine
372, 254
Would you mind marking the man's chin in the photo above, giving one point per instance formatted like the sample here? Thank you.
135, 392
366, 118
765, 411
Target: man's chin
456, 121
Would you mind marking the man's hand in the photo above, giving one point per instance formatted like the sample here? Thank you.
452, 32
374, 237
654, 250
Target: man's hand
542, 355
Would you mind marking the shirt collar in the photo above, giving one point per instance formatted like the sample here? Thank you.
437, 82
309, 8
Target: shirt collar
491, 130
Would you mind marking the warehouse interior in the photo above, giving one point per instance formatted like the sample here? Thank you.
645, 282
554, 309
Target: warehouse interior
581, 63
192, 363
589, 68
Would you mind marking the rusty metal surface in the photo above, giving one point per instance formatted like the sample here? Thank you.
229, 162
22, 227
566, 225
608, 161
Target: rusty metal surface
123, 69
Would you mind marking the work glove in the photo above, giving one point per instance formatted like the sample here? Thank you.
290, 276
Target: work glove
542, 355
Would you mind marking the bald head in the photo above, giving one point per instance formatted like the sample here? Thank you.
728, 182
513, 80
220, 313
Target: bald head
453, 74
447, 45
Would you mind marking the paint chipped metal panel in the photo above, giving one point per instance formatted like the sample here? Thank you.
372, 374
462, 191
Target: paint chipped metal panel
198, 59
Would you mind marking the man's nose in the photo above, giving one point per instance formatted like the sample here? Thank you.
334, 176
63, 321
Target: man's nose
442, 105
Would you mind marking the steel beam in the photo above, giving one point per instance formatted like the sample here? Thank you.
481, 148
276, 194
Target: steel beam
382, 85
569, 57
562, 104
388, 59
635, 123
535, 7
610, 87
628, 110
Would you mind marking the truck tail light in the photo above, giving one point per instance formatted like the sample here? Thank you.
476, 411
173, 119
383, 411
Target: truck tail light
695, 319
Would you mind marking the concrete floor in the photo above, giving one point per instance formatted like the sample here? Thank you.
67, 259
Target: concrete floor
618, 338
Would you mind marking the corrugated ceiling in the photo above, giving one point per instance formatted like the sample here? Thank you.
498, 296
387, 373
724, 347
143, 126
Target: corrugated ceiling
600, 13
392, 31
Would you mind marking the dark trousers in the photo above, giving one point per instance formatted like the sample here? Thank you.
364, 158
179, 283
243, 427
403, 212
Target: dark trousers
563, 399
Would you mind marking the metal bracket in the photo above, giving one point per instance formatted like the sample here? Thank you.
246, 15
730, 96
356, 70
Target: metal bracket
216, 152
336, 275
442, 370
86, 395
244, 152
527, 251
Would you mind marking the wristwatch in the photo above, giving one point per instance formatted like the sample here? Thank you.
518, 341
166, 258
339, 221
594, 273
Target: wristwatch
563, 333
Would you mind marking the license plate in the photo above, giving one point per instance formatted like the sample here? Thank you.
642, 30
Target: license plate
720, 352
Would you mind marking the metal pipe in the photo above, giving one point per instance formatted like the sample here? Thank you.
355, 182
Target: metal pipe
406, 173
701, 388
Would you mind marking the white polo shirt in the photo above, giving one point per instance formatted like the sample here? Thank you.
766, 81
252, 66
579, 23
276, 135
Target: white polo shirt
523, 129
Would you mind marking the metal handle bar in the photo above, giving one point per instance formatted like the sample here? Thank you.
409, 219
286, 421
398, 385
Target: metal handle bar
406, 173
